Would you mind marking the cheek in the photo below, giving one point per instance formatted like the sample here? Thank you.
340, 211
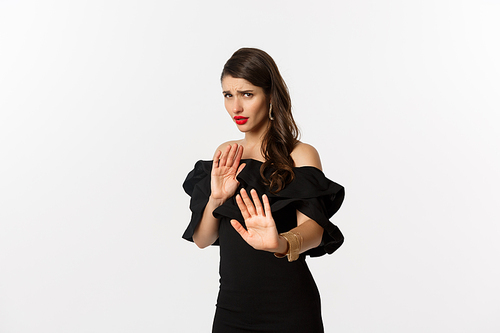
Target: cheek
260, 109
227, 105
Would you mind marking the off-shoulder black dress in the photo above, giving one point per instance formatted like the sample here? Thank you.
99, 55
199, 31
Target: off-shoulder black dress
258, 292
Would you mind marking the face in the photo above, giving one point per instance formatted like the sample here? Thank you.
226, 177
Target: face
247, 104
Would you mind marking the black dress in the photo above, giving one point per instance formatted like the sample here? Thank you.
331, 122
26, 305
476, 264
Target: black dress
259, 292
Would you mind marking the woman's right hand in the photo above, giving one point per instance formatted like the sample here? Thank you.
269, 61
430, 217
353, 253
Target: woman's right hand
226, 166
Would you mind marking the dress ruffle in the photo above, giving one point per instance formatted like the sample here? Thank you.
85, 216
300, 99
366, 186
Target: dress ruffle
310, 192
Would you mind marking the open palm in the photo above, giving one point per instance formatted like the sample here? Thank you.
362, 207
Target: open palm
225, 168
261, 232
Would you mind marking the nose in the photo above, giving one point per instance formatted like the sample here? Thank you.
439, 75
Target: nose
237, 105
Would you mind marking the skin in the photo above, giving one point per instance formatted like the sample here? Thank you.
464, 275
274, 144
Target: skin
241, 98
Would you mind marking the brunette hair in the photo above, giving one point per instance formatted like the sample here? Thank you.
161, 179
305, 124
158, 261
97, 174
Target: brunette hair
258, 68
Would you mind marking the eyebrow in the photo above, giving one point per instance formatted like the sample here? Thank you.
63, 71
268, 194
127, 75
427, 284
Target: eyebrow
238, 91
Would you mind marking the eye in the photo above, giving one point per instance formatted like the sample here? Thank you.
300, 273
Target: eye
227, 95
248, 94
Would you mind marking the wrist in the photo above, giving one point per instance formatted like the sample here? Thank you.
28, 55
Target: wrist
282, 248
215, 201
294, 241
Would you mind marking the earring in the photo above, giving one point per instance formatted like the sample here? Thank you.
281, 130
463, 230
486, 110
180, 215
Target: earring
270, 112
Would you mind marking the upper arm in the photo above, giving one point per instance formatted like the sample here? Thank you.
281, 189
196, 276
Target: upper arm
306, 155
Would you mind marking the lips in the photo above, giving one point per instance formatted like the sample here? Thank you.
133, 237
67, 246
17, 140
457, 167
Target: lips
240, 120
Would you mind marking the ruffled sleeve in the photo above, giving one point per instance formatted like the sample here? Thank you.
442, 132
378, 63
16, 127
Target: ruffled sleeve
197, 186
311, 192
320, 199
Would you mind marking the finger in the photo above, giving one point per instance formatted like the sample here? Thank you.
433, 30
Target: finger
267, 206
232, 153
234, 158
215, 163
240, 168
239, 228
256, 201
248, 202
238, 156
242, 207
223, 158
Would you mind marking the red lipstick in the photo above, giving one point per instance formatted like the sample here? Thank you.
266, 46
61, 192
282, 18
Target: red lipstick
240, 120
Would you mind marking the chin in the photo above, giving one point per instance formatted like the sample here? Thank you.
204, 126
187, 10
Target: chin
243, 128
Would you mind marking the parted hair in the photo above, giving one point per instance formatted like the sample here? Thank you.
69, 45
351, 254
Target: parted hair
258, 68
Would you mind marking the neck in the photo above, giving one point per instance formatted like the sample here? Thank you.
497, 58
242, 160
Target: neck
253, 140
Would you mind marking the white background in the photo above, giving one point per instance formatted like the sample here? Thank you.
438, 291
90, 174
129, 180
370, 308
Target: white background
106, 105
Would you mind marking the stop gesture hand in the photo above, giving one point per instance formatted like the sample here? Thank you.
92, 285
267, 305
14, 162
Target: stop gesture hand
226, 166
261, 232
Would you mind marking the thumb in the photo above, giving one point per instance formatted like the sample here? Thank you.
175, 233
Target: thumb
239, 228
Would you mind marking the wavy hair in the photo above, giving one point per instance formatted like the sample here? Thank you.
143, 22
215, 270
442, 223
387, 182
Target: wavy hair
258, 68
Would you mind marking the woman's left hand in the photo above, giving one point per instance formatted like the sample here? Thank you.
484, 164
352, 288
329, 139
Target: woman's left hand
261, 232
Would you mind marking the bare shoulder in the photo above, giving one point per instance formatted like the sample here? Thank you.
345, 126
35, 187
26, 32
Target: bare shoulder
306, 155
227, 143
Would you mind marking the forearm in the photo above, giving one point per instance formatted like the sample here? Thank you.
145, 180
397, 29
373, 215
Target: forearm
310, 232
207, 231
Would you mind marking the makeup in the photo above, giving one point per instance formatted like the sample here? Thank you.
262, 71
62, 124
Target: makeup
240, 120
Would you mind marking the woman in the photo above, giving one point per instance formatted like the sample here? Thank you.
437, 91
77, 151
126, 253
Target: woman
262, 198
